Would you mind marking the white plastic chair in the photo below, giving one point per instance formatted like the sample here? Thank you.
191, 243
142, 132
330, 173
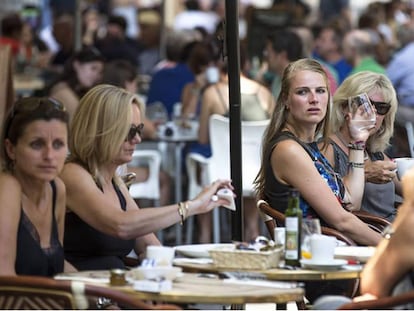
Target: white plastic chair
150, 188
218, 165
410, 135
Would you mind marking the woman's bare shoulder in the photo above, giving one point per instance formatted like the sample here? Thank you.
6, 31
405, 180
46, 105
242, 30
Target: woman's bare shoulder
72, 171
8, 180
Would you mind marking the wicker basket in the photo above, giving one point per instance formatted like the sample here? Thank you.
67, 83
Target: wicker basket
245, 259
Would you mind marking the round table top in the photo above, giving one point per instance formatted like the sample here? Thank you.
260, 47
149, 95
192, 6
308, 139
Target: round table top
279, 274
201, 288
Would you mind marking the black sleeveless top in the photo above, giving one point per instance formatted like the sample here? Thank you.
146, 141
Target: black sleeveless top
31, 259
89, 249
277, 194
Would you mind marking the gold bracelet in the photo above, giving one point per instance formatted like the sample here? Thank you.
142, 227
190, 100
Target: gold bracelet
181, 212
356, 164
185, 205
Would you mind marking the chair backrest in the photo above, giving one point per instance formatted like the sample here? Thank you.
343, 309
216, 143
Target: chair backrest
150, 188
42, 293
273, 218
375, 222
38, 293
219, 163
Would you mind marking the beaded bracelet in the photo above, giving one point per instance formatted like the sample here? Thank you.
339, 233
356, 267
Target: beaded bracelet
358, 145
356, 164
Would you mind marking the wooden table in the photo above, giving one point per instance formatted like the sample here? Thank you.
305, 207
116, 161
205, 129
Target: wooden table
193, 288
352, 272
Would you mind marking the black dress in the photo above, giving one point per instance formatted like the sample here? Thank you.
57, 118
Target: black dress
31, 259
89, 249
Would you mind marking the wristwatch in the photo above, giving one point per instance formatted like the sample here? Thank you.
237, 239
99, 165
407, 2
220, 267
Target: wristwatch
388, 232
103, 303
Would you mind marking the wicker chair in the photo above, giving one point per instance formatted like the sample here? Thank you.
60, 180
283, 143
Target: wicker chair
374, 222
271, 217
42, 293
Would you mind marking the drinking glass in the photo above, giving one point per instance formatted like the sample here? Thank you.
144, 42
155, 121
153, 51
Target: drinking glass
310, 226
363, 115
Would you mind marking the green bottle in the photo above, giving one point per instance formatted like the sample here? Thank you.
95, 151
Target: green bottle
293, 224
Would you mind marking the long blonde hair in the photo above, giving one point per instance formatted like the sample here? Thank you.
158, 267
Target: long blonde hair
366, 82
280, 114
99, 126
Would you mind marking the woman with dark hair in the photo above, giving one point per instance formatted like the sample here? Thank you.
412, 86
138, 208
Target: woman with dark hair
32, 212
81, 72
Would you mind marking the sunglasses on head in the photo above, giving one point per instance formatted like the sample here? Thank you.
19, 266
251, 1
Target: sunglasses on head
134, 130
382, 108
29, 105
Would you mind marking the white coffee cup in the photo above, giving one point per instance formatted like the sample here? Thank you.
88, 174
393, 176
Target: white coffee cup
322, 247
403, 165
163, 255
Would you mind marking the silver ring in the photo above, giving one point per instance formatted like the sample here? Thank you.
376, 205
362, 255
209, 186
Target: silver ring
214, 198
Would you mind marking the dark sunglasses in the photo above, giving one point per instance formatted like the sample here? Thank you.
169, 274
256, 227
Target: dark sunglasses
134, 130
382, 108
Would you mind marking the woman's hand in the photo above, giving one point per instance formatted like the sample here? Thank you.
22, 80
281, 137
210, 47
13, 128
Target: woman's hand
359, 128
380, 172
204, 201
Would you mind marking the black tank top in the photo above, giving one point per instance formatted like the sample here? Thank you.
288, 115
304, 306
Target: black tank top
31, 259
89, 249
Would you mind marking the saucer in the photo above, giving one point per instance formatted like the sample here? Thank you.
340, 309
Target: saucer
334, 264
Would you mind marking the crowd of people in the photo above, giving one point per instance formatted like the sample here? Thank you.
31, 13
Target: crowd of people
62, 147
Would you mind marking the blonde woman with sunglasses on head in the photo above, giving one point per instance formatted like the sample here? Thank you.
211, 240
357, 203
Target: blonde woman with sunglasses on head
32, 209
381, 182
103, 222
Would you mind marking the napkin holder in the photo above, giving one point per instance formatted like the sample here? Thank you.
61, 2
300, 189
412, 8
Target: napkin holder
154, 286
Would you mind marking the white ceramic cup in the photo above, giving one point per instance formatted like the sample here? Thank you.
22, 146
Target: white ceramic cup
403, 165
163, 255
322, 247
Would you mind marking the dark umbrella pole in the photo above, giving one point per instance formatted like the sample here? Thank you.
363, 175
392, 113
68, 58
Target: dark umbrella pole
233, 58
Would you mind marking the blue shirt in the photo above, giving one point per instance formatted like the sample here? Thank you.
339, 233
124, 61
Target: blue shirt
400, 70
167, 84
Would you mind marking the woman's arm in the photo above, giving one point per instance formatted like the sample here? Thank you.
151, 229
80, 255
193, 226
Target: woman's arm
354, 181
355, 176
10, 211
102, 211
210, 105
292, 165
189, 99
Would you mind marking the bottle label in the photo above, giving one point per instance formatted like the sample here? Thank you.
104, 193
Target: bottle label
292, 238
